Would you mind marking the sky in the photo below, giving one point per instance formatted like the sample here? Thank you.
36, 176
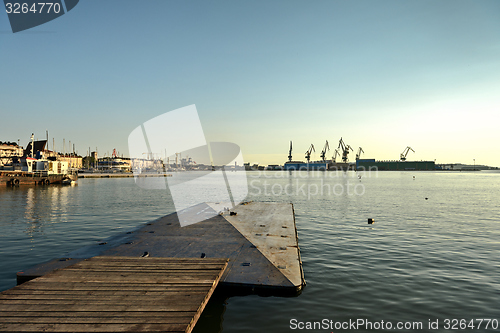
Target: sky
383, 75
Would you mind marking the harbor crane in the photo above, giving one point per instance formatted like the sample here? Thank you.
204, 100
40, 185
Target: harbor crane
308, 152
334, 158
405, 152
323, 152
345, 150
290, 152
358, 155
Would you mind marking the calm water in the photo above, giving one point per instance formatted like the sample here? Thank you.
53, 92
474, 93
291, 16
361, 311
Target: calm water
422, 260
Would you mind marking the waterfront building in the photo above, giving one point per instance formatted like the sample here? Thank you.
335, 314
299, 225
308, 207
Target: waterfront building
8, 150
114, 164
74, 161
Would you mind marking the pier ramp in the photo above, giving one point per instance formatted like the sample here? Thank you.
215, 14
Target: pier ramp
113, 294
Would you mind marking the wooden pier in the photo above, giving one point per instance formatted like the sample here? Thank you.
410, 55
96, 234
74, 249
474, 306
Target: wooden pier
114, 294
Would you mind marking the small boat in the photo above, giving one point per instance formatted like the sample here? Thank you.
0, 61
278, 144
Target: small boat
68, 181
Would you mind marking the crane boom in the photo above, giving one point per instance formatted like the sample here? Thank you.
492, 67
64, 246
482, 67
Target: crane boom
358, 155
405, 153
290, 152
323, 152
334, 158
345, 150
308, 152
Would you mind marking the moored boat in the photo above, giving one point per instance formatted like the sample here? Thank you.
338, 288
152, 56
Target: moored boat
32, 171
68, 181
35, 168
15, 178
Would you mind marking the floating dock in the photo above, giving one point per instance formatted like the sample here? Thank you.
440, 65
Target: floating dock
259, 239
113, 294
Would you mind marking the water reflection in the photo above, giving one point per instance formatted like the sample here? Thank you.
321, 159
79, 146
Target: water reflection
36, 206
31, 213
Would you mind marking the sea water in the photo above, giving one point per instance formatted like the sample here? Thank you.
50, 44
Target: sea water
429, 263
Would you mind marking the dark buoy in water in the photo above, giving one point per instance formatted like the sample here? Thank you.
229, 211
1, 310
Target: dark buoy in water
426, 198
370, 221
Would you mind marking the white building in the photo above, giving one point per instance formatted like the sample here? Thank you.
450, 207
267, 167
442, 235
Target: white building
7, 151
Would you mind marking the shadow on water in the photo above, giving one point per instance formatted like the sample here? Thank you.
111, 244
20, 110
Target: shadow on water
212, 317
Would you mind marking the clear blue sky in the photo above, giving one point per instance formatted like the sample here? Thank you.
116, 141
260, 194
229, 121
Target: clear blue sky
381, 74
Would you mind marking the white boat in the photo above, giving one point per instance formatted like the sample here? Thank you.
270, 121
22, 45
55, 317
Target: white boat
68, 181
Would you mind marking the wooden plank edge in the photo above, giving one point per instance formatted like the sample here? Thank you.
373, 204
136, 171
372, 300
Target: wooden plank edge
302, 277
193, 322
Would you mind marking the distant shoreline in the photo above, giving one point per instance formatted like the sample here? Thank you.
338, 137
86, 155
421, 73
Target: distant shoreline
120, 175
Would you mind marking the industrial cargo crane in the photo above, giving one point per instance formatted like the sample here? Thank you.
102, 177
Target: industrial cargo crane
345, 150
358, 155
323, 152
334, 158
308, 152
405, 152
290, 152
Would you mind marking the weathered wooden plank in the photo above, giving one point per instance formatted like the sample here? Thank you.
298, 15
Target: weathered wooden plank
172, 266
138, 278
96, 286
124, 272
124, 279
61, 294
141, 271
151, 316
194, 262
140, 327
186, 298
96, 320
99, 307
